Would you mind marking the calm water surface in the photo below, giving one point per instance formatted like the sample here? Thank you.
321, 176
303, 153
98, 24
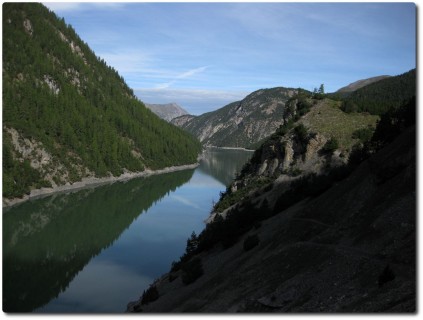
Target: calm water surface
97, 249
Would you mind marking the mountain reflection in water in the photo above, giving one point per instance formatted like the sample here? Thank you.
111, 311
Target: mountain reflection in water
87, 251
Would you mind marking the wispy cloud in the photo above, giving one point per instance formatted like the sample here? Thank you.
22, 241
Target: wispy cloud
167, 52
183, 75
185, 201
80, 6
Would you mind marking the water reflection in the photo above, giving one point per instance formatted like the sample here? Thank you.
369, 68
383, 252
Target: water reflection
223, 164
48, 241
93, 250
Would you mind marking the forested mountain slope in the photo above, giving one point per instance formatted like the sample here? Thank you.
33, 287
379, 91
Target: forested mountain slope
360, 84
379, 97
243, 123
68, 115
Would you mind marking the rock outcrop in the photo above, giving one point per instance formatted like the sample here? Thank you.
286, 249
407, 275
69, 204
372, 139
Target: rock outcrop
167, 111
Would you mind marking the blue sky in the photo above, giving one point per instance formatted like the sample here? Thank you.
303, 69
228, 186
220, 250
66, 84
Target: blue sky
205, 55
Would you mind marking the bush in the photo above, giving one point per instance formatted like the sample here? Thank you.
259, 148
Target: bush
364, 134
192, 270
251, 242
150, 295
301, 132
330, 146
176, 265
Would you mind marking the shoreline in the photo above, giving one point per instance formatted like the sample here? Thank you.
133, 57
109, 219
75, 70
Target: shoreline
231, 148
93, 182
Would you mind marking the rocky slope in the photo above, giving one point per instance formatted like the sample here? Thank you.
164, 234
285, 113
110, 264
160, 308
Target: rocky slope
351, 248
242, 123
320, 139
182, 120
167, 111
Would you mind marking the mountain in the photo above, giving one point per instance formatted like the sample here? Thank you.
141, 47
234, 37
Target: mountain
360, 83
243, 123
67, 115
342, 241
322, 138
248, 122
378, 97
167, 111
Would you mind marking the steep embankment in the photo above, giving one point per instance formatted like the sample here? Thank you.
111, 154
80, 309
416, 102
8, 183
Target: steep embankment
242, 123
69, 116
350, 248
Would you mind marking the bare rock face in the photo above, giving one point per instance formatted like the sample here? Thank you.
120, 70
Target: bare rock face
182, 120
242, 123
167, 111
28, 26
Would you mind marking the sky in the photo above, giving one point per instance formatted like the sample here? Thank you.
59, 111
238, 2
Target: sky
206, 55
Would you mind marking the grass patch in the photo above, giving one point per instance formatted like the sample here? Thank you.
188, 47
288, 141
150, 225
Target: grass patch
328, 119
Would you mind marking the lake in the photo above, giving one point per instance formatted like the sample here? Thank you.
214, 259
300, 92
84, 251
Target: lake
96, 249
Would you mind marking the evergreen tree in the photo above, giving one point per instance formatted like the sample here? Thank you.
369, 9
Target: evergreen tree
77, 107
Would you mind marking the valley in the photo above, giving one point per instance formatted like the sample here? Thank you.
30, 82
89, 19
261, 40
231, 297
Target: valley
281, 199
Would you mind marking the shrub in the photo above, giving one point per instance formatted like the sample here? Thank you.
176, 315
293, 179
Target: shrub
301, 132
364, 134
192, 270
176, 265
330, 146
251, 242
150, 295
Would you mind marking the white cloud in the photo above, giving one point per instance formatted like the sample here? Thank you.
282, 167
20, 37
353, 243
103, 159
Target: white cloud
62, 6
79, 6
185, 201
184, 75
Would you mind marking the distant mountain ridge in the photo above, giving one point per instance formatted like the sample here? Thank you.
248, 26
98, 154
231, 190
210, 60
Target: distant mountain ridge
360, 84
167, 111
242, 123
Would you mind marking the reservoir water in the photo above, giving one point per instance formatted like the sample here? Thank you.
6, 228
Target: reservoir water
95, 250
